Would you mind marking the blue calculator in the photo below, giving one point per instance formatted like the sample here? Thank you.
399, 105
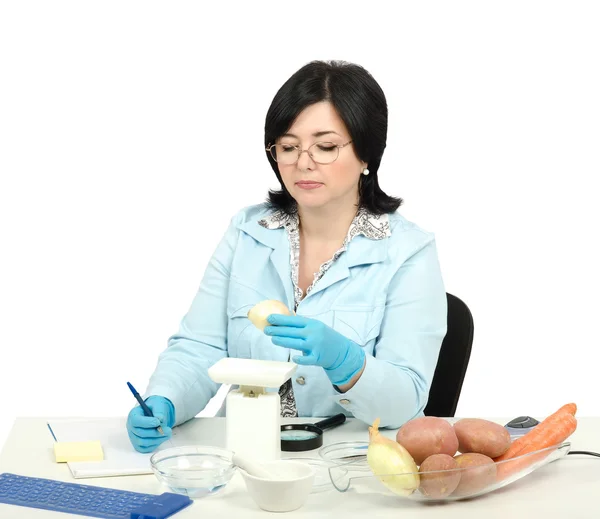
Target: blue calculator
88, 500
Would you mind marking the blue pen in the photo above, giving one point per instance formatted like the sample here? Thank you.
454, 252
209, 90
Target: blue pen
143, 405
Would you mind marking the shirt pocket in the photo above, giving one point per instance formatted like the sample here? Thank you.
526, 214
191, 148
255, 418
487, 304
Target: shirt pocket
360, 324
239, 333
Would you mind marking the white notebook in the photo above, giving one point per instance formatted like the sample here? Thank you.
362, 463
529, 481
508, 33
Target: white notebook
120, 458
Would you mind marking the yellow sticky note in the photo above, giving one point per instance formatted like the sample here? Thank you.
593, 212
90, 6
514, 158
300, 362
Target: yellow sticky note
78, 451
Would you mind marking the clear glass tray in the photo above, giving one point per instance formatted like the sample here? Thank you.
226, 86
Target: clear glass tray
349, 470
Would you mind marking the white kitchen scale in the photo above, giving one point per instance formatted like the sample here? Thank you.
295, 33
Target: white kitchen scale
253, 414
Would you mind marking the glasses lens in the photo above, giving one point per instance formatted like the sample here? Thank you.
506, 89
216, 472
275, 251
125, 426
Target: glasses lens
324, 152
320, 152
284, 153
292, 435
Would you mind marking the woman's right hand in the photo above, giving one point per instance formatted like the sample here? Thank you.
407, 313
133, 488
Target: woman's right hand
142, 429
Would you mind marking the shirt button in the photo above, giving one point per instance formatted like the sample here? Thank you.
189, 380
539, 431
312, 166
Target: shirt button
301, 380
344, 401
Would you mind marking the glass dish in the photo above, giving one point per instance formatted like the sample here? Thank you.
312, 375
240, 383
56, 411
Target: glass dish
441, 485
194, 471
353, 454
323, 474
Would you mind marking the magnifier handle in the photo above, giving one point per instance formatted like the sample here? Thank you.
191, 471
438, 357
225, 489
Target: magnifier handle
332, 421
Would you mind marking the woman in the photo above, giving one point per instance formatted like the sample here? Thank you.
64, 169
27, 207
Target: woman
365, 283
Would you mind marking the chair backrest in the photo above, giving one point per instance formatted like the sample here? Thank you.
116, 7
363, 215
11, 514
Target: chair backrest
453, 360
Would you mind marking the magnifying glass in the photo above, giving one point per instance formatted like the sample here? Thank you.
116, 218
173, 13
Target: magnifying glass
305, 437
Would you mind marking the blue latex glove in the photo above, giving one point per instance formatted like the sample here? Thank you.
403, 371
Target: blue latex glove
320, 345
142, 429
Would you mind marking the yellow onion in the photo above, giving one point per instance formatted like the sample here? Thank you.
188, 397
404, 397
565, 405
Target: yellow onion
392, 463
259, 312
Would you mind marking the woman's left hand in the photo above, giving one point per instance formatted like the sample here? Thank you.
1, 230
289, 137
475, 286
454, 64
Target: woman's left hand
320, 344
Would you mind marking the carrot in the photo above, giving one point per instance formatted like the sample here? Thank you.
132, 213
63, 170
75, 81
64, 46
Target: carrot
528, 455
568, 408
555, 429
551, 433
539, 431
512, 450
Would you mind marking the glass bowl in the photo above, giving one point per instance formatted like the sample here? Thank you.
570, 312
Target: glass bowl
350, 454
435, 486
324, 472
194, 471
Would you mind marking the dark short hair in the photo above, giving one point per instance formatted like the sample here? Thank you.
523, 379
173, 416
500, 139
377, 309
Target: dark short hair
360, 103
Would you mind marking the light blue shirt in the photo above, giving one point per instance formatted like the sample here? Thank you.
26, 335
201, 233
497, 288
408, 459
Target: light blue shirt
386, 295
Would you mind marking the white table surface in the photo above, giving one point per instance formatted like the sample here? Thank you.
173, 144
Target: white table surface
568, 488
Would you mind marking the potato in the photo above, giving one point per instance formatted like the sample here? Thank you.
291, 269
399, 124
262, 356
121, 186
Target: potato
481, 436
481, 472
427, 435
441, 484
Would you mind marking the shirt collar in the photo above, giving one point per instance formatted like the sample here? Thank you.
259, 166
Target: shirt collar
372, 226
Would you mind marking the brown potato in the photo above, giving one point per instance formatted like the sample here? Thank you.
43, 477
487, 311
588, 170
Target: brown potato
480, 472
440, 484
481, 436
427, 435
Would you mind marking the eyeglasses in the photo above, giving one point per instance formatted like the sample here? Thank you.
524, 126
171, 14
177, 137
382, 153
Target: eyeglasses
319, 152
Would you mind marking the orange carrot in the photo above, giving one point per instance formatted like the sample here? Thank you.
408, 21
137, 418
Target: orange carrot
553, 430
512, 450
568, 408
547, 434
544, 439
541, 430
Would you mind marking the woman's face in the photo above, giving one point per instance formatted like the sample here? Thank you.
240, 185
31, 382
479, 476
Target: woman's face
316, 185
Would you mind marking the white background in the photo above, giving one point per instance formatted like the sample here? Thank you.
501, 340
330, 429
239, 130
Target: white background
130, 132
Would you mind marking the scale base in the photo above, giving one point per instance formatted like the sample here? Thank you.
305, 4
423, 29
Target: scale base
253, 425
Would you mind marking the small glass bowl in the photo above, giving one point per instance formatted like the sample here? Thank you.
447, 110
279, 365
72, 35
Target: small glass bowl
325, 473
352, 454
194, 471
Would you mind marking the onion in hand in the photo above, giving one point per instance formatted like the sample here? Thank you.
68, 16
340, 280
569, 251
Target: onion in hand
259, 312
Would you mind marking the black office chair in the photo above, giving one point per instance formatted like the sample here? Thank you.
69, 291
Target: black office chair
453, 360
